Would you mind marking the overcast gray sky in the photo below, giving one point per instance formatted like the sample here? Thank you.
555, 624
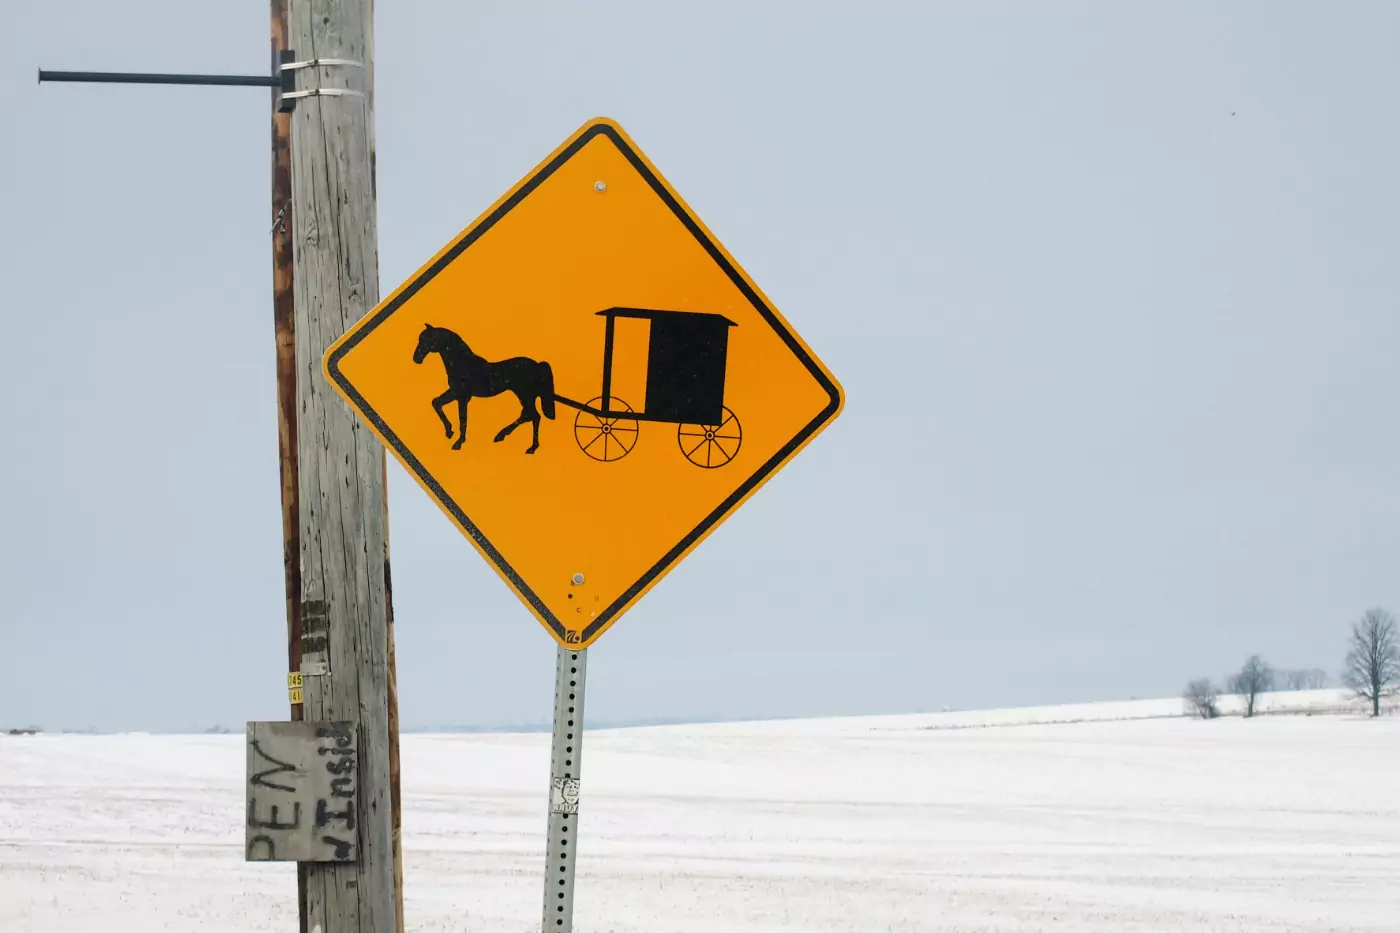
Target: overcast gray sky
1111, 288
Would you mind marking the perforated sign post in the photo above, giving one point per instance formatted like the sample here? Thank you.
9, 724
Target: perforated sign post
587, 383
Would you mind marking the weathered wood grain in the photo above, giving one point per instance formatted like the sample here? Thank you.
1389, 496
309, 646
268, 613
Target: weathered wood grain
344, 599
395, 794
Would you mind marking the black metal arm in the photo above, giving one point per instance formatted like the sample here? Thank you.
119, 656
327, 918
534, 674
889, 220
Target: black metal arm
115, 77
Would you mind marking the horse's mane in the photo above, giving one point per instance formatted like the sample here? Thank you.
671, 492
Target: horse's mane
451, 341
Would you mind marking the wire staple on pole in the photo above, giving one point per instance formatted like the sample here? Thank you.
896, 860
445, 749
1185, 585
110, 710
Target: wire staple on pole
323, 92
321, 62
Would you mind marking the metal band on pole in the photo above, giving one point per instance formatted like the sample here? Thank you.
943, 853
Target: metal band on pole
565, 764
323, 92
321, 63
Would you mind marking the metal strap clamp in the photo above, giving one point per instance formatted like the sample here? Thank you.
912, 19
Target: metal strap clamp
288, 68
317, 62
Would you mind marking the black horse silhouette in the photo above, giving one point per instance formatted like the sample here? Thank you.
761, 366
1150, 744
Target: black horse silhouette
470, 376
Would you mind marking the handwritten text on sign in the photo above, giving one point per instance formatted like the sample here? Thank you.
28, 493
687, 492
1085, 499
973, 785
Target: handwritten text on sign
302, 785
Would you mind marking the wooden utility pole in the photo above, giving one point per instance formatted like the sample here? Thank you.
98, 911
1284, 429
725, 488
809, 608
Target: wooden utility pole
335, 516
343, 600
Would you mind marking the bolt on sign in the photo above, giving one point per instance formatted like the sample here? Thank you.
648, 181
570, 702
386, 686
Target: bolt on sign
586, 382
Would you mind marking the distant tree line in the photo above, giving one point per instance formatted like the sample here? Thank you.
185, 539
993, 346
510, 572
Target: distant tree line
1371, 671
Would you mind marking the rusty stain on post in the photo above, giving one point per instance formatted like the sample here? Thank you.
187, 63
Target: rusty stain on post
284, 316
284, 323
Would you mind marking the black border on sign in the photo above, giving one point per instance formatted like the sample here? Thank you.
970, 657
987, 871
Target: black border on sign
671, 556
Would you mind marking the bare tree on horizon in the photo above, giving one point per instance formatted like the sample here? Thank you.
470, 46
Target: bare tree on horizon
1303, 679
1202, 698
1254, 678
1373, 663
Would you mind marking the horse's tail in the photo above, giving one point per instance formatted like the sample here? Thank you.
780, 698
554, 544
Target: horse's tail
547, 391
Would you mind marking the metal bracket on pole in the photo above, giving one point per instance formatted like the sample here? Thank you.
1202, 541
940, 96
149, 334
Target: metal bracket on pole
286, 80
565, 765
283, 78
287, 67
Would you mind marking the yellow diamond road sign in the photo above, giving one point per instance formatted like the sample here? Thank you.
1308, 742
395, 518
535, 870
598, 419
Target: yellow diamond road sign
586, 382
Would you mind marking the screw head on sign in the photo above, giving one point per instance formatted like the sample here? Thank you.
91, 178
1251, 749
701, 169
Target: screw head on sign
578, 577
600, 186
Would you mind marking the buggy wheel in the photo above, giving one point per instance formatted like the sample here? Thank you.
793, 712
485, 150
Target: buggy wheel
711, 446
606, 438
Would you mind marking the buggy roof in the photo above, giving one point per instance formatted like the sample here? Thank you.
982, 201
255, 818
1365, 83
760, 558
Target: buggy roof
651, 314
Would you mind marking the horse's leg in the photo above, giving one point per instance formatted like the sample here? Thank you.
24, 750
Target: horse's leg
462, 421
439, 404
527, 413
506, 431
535, 423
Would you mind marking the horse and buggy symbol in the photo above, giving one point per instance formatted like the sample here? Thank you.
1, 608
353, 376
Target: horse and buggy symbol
686, 359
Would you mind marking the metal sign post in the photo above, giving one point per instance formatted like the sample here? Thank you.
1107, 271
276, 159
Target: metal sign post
565, 763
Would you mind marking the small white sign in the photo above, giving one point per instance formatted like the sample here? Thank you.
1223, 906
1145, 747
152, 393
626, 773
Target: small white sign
564, 796
302, 792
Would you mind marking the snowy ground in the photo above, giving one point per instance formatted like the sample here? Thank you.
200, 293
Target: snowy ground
936, 822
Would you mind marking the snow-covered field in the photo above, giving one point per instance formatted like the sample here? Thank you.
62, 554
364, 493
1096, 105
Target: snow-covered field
1114, 822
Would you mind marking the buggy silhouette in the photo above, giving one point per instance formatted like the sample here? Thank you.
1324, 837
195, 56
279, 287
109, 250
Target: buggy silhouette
686, 356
